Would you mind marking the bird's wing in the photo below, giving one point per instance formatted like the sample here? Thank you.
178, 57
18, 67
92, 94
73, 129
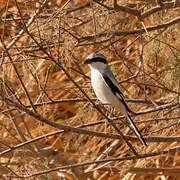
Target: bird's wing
112, 83
115, 89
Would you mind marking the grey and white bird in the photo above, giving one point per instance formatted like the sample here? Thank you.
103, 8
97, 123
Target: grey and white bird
107, 89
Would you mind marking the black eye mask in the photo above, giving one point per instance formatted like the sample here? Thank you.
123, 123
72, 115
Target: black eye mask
97, 59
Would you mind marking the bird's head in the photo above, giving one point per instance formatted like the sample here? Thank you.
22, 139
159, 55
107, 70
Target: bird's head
96, 61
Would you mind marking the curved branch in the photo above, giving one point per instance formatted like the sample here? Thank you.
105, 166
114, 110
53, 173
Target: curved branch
172, 150
137, 31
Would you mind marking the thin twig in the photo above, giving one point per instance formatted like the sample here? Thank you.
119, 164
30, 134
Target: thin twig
142, 156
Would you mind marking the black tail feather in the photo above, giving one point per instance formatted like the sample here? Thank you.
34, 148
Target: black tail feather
137, 132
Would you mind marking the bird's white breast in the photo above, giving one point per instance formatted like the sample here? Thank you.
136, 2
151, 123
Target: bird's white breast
101, 89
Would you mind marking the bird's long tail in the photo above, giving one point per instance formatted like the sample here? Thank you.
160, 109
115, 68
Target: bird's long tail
138, 134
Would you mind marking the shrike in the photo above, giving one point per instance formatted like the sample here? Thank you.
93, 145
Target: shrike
106, 87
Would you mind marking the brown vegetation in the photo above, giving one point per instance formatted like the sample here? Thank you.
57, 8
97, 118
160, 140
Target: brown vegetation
50, 119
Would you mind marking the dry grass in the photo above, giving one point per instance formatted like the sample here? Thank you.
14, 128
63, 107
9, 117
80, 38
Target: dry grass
42, 77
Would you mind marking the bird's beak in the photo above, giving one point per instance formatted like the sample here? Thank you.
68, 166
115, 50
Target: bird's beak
87, 61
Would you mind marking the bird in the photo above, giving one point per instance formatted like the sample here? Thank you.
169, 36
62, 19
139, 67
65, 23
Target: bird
106, 87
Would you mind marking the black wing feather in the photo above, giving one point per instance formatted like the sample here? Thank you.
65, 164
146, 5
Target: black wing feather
115, 90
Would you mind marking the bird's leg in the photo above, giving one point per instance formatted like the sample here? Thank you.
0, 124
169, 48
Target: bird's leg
111, 112
99, 105
109, 115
